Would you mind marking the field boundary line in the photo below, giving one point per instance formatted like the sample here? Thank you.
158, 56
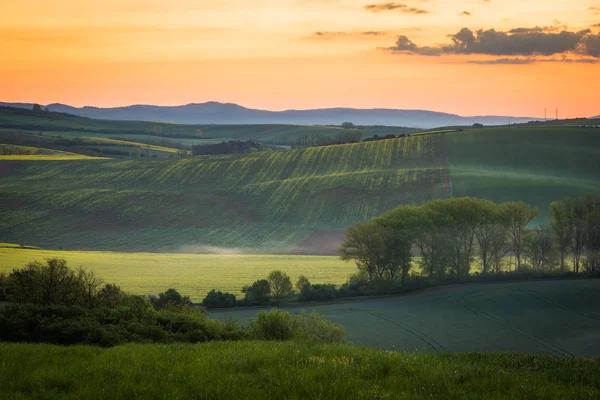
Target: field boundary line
556, 304
366, 299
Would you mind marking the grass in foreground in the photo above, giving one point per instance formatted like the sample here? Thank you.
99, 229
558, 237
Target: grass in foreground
191, 274
257, 370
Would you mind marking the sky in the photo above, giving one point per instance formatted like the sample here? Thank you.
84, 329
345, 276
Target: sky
470, 57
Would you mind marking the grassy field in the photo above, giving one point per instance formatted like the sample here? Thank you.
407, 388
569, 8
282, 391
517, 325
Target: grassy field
553, 317
296, 201
192, 274
267, 370
535, 164
265, 202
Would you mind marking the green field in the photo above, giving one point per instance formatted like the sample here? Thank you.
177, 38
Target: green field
293, 201
191, 274
261, 202
268, 370
535, 164
554, 317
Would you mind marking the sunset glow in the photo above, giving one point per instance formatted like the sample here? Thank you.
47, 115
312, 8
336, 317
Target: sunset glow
302, 54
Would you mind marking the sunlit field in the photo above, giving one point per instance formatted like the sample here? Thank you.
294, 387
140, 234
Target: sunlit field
191, 274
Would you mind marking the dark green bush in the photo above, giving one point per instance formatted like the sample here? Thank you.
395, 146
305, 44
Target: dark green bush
108, 327
218, 299
318, 292
259, 293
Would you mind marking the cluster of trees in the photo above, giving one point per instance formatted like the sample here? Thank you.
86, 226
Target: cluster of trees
230, 147
51, 303
315, 140
385, 137
448, 234
54, 283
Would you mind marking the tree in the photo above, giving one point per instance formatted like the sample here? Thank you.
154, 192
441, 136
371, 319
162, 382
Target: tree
577, 228
302, 283
518, 216
218, 299
110, 296
560, 211
348, 125
489, 231
37, 108
170, 299
281, 286
364, 244
258, 293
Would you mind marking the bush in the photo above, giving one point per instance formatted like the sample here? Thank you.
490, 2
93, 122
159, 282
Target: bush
218, 299
170, 299
280, 325
273, 325
137, 322
318, 292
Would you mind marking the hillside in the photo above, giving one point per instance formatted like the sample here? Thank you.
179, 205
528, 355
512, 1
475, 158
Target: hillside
295, 201
267, 202
225, 113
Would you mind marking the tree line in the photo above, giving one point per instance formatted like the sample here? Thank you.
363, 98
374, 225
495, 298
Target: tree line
448, 235
230, 147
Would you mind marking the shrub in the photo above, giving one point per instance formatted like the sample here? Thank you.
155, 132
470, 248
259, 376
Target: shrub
218, 299
280, 325
170, 299
109, 327
318, 292
315, 327
273, 325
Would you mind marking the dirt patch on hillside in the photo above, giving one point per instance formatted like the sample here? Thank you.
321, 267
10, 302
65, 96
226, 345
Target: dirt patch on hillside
321, 243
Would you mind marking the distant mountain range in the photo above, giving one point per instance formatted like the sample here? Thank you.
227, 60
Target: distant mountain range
227, 113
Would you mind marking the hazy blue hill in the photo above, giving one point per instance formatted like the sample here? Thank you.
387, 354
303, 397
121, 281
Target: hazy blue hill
226, 113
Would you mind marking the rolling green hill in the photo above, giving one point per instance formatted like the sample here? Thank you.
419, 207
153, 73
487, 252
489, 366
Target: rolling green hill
295, 201
267, 202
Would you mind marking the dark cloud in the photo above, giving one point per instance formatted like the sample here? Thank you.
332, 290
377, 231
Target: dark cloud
522, 61
465, 14
391, 6
517, 42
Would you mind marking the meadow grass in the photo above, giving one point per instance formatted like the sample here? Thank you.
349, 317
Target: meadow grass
191, 274
271, 370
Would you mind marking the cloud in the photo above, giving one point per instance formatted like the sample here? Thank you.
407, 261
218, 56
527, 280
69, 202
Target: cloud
538, 41
465, 14
594, 10
503, 61
348, 35
391, 6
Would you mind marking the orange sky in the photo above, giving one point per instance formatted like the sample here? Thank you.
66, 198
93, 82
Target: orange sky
111, 53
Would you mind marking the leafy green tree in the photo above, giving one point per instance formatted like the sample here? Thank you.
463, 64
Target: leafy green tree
218, 299
302, 283
364, 244
490, 232
258, 293
281, 286
518, 216
560, 212
171, 298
